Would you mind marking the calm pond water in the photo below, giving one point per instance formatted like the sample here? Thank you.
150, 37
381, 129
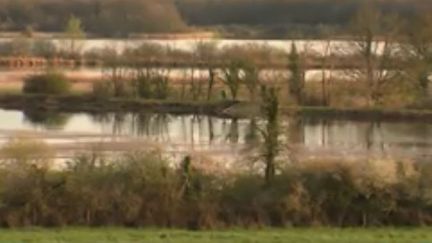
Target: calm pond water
214, 135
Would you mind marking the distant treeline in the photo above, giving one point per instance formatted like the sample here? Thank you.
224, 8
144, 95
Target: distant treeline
124, 17
102, 17
268, 12
281, 18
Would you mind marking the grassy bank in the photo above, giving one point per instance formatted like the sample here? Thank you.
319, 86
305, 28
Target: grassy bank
246, 109
361, 113
88, 103
324, 235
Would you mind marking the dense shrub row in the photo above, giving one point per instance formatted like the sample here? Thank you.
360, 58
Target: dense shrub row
282, 12
143, 189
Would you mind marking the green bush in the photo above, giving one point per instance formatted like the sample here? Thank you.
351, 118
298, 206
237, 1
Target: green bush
52, 83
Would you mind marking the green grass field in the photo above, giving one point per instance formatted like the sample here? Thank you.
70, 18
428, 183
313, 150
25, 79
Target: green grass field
109, 235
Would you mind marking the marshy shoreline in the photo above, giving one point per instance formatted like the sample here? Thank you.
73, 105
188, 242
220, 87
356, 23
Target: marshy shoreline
87, 103
228, 108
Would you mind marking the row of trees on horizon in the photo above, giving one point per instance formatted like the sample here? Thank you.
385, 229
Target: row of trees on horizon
124, 17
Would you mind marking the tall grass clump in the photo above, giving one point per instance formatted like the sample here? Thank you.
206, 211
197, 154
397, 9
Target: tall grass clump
50, 83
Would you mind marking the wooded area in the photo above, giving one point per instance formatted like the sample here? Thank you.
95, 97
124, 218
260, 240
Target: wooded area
124, 17
106, 17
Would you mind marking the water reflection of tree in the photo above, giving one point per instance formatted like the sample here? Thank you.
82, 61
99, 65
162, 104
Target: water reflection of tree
46, 119
159, 126
118, 123
233, 133
295, 130
114, 120
372, 129
184, 128
141, 122
199, 122
252, 137
146, 124
137, 124
102, 118
192, 130
210, 129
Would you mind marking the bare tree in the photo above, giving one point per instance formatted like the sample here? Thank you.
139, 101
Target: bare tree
207, 55
232, 76
374, 45
327, 64
417, 52
151, 78
251, 79
195, 84
114, 71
